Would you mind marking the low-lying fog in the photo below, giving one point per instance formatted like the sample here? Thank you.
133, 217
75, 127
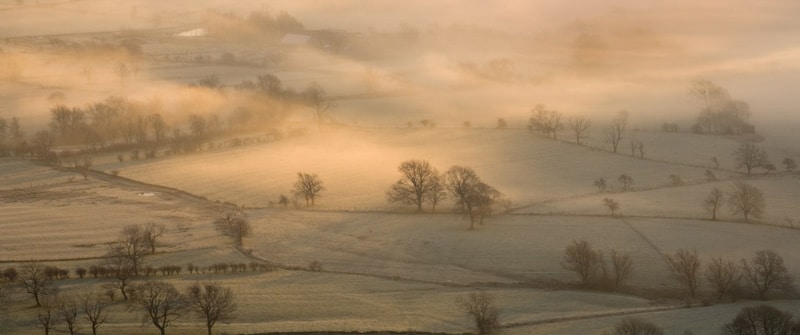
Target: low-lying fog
449, 61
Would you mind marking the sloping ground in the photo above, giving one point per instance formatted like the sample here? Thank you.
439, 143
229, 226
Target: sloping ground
358, 166
284, 301
440, 248
51, 215
780, 193
699, 320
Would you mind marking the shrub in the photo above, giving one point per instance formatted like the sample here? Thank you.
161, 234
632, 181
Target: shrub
636, 326
315, 266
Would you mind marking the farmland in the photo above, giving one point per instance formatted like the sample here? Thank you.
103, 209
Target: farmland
214, 131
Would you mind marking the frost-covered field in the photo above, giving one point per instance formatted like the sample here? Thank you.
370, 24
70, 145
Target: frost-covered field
358, 166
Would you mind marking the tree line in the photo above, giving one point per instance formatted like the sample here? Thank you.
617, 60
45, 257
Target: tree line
763, 276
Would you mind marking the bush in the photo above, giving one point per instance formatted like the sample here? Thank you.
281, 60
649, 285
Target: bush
636, 326
315, 266
481, 309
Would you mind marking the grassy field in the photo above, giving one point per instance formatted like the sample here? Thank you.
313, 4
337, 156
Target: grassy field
385, 267
524, 167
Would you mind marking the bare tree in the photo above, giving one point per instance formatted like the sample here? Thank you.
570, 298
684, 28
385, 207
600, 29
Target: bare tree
472, 196
713, 202
481, 309
747, 200
231, 216
685, 267
580, 127
459, 181
790, 164
724, 276
68, 312
716, 162
437, 193
766, 272
42, 142
708, 92
122, 270
546, 122
241, 228
601, 184
318, 99
94, 311
612, 205
480, 202
419, 180
161, 303
579, 257
152, 232
501, 123
710, 176
132, 245
122, 71
750, 156
212, 302
48, 316
636, 326
614, 133
32, 277
626, 181
637, 148
764, 319
308, 187
622, 264
283, 200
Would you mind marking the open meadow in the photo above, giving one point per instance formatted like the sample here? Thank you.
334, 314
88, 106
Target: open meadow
270, 150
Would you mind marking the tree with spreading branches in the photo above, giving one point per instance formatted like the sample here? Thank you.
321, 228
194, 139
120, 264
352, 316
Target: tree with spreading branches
212, 303
420, 181
308, 186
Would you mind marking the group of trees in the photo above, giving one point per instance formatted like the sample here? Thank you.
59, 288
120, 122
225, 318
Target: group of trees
742, 198
162, 303
118, 122
422, 183
236, 223
159, 302
720, 113
549, 123
764, 275
482, 310
625, 180
763, 319
589, 264
765, 272
12, 138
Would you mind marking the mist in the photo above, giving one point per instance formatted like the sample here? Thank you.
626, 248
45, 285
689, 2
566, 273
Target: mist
581, 58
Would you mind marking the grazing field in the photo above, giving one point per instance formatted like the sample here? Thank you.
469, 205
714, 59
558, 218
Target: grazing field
208, 133
56, 216
686, 201
700, 320
358, 166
